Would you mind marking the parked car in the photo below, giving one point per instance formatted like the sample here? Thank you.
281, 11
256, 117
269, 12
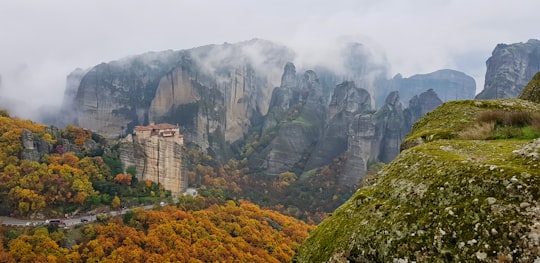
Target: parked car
84, 220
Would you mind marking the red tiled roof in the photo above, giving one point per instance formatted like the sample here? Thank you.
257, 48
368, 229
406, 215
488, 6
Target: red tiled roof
160, 126
142, 128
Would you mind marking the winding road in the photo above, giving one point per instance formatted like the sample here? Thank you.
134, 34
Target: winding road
72, 221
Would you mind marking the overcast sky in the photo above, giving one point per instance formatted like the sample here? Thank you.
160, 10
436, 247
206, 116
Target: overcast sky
42, 41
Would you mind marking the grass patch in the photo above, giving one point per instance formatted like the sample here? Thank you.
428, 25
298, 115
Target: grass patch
460, 120
498, 124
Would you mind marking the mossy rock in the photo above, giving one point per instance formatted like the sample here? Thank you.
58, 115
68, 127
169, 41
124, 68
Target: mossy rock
451, 118
531, 92
443, 201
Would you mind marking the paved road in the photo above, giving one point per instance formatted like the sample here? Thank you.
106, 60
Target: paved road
72, 221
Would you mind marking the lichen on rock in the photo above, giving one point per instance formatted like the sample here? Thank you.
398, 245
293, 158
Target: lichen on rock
531, 92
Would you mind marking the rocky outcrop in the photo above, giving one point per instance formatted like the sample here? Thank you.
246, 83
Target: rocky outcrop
156, 152
34, 147
531, 92
443, 201
220, 93
390, 127
113, 97
448, 84
347, 101
419, 106
363, 146
510, 68
296, 120
215, 92
161, 162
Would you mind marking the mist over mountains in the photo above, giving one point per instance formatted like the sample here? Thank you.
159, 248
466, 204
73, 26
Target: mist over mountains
223, 94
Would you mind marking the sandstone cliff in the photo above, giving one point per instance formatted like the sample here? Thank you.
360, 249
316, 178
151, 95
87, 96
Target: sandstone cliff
510, 68
215, 91
156, 152
347, 101
391, 127
305, 132
295, 121
34, 147
113, 97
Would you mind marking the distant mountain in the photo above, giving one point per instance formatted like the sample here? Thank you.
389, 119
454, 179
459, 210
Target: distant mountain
448, 84
510, 68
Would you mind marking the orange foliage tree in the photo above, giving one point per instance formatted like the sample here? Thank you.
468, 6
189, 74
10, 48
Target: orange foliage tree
123, 179
77, 134
233, 232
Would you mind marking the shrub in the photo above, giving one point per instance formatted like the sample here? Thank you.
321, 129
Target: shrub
498, 124
479, 131
505, 118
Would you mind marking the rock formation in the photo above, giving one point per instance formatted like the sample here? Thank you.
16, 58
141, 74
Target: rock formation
295, 121
156, 151
531, 92
215, 91
419, 106
33, 147
347, 101
223, 94
363, 146
510, 68
390, 127
441, 199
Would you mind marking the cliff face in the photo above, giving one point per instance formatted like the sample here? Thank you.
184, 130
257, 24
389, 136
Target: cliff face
419, 106
390, 124
443, 199
33, 147
510, 68
160, 161
112, 98
347, 101
215, 91
295, 121
156, 151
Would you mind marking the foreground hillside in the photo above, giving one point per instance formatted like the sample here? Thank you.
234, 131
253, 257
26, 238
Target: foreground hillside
230, 232
465, 188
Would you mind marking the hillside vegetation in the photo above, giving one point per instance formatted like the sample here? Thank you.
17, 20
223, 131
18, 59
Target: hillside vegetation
228, 232
465, 188
72, 172
47, 172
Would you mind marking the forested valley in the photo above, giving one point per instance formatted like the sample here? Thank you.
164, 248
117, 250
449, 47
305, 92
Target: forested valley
238, 214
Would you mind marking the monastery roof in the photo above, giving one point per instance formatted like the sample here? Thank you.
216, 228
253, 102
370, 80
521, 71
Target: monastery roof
159, 126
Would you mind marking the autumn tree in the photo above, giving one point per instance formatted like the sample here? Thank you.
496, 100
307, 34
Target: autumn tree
123, 179
77, 135
4, 255
39, 247
115, 204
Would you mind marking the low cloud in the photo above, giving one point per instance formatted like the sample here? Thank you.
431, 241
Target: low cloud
42, 41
